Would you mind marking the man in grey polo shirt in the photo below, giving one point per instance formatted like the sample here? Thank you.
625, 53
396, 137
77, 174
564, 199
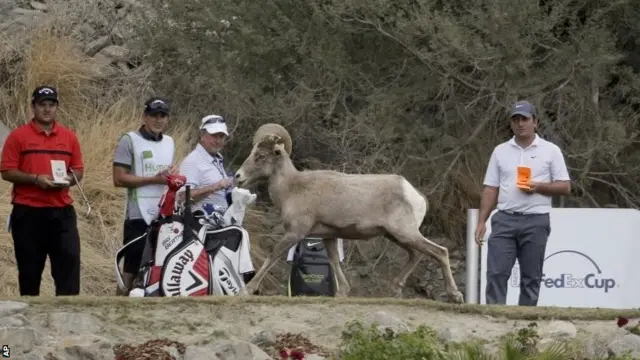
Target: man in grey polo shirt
521, 227
143, 159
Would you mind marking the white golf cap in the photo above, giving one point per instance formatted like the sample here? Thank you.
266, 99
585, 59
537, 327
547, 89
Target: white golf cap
214, 124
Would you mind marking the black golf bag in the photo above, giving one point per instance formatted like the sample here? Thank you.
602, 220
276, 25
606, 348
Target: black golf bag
188, 256
311, 273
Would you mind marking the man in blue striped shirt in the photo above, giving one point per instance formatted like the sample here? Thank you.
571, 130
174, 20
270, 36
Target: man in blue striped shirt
204, 167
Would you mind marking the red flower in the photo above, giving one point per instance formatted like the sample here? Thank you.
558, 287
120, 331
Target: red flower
284, 354
297, 355
622, 321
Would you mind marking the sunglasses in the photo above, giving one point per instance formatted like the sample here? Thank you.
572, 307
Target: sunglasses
157, 107
215, 120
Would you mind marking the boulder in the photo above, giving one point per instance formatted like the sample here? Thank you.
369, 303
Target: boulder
38, 6
73, 323
83, 347
227, 349
628, 342
8, 308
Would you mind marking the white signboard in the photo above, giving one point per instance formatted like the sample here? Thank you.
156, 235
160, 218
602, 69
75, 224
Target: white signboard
590, 260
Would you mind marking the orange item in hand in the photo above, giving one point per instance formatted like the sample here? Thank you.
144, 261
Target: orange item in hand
524, 177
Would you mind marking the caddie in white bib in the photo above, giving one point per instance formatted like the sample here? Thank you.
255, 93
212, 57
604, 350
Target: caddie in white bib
150, 158
140, 159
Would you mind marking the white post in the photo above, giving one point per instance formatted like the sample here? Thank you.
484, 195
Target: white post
472, 288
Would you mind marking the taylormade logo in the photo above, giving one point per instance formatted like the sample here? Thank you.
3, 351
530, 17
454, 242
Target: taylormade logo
590, 279
225, 278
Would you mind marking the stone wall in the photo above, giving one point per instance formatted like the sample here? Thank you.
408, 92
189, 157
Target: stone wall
257, 329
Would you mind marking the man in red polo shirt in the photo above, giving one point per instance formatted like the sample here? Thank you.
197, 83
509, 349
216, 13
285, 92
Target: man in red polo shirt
43, 220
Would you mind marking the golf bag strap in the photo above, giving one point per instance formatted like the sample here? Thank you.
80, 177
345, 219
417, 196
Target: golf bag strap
120, 255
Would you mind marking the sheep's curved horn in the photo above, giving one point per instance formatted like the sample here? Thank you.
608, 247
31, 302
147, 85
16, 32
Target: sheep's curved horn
274, 129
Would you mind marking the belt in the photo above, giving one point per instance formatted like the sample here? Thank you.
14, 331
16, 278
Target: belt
519, 213
514, 212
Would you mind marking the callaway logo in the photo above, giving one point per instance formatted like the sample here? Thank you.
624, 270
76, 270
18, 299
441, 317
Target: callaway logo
176, 282
157, 102
173, 287
45, 91
197, 281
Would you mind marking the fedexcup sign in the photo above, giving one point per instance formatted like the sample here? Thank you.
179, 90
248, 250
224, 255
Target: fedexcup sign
591, 278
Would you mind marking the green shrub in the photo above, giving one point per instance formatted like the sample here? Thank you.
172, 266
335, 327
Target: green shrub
371, 343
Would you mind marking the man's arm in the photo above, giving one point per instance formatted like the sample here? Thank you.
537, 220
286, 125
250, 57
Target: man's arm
491, 187
560, 182
555, 188
487, 203
10, 161
190, 170
122, 177
122, 164
18, 177
200, 193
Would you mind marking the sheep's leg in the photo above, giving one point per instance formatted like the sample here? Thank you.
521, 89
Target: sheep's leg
334, 259
401, 279
415, 240
280, 249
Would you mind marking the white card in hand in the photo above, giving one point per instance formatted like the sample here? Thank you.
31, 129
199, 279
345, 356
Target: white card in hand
59, 172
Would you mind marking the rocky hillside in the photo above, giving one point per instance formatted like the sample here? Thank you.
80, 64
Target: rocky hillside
258, 328
101, 28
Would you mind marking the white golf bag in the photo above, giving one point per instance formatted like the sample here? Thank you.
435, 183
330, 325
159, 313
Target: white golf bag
190, 255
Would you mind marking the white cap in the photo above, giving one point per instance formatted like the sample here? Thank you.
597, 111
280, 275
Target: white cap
214, 124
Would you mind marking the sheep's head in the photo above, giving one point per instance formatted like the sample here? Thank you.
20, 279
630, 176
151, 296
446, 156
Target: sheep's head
271, 144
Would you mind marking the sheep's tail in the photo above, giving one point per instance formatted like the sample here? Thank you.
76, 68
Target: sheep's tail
426, 201
413, 197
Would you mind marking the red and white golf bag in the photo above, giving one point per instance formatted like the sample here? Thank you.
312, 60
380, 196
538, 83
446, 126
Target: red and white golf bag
188, 256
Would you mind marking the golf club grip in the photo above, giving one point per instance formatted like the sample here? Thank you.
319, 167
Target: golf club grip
186, 213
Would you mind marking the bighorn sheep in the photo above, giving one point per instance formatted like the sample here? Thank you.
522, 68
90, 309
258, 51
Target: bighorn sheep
330, 205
